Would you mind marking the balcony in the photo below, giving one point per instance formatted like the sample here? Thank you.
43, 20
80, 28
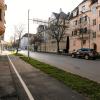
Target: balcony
84, 36
2, 31
2, 28
2, 1
81, 33
2, 4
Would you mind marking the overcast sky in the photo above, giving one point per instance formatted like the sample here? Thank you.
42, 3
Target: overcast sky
17, 10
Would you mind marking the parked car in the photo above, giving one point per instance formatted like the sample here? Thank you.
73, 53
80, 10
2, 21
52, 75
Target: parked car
85, 53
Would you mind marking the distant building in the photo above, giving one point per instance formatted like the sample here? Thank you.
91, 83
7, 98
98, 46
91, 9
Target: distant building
63, 20
42, 34
24, 40
49, 42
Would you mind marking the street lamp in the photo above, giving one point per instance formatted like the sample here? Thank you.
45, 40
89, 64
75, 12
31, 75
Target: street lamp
28, 33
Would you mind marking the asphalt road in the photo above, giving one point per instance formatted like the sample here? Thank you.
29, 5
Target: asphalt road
85, 68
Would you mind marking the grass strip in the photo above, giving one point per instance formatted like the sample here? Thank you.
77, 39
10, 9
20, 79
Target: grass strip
82, 85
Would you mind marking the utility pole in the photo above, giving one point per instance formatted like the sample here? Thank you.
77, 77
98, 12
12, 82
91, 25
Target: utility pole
89, 33
28, 33
34, 20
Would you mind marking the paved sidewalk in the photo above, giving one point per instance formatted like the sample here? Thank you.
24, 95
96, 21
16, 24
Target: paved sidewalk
7, 88
41, 85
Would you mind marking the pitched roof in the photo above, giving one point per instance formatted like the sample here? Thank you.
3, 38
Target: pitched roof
61, 15
71, 15
56, 15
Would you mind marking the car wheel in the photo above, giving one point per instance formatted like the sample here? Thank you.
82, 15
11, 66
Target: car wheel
86, 57
73, 56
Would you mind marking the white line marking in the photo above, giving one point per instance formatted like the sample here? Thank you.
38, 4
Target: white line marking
22, 82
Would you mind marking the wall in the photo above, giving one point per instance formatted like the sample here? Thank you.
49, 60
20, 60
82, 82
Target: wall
2, 22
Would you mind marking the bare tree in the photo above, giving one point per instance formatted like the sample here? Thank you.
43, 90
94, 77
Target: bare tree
18, 32
36, 40
58, 27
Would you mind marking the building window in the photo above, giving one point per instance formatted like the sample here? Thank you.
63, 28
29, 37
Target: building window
75, 32
84, 42
94, 21
99, 13
85, 18
75, 13
80, 20
99, 27
85, 30
83, 8
74, 43
72, 33
94, 9
94, 34
76, 22
80, 31
0, 15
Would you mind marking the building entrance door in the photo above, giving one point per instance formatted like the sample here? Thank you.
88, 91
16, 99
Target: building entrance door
95, 46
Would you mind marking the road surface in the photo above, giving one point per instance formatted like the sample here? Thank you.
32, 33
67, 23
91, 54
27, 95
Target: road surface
85, 68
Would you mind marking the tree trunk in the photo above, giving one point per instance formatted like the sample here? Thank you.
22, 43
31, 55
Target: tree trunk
67, 45
18, 46
58, 47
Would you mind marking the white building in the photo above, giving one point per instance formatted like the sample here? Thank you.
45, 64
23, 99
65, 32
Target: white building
24, 41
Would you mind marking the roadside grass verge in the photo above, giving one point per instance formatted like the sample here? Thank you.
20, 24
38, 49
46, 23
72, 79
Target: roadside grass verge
82, 85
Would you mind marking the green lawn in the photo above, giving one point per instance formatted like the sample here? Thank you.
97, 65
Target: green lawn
82, 85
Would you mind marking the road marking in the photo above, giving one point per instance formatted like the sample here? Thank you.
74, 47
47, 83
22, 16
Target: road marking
21, 80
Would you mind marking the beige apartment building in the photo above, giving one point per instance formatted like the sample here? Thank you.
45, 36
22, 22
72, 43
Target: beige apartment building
49, 43
83, 31
85, 26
